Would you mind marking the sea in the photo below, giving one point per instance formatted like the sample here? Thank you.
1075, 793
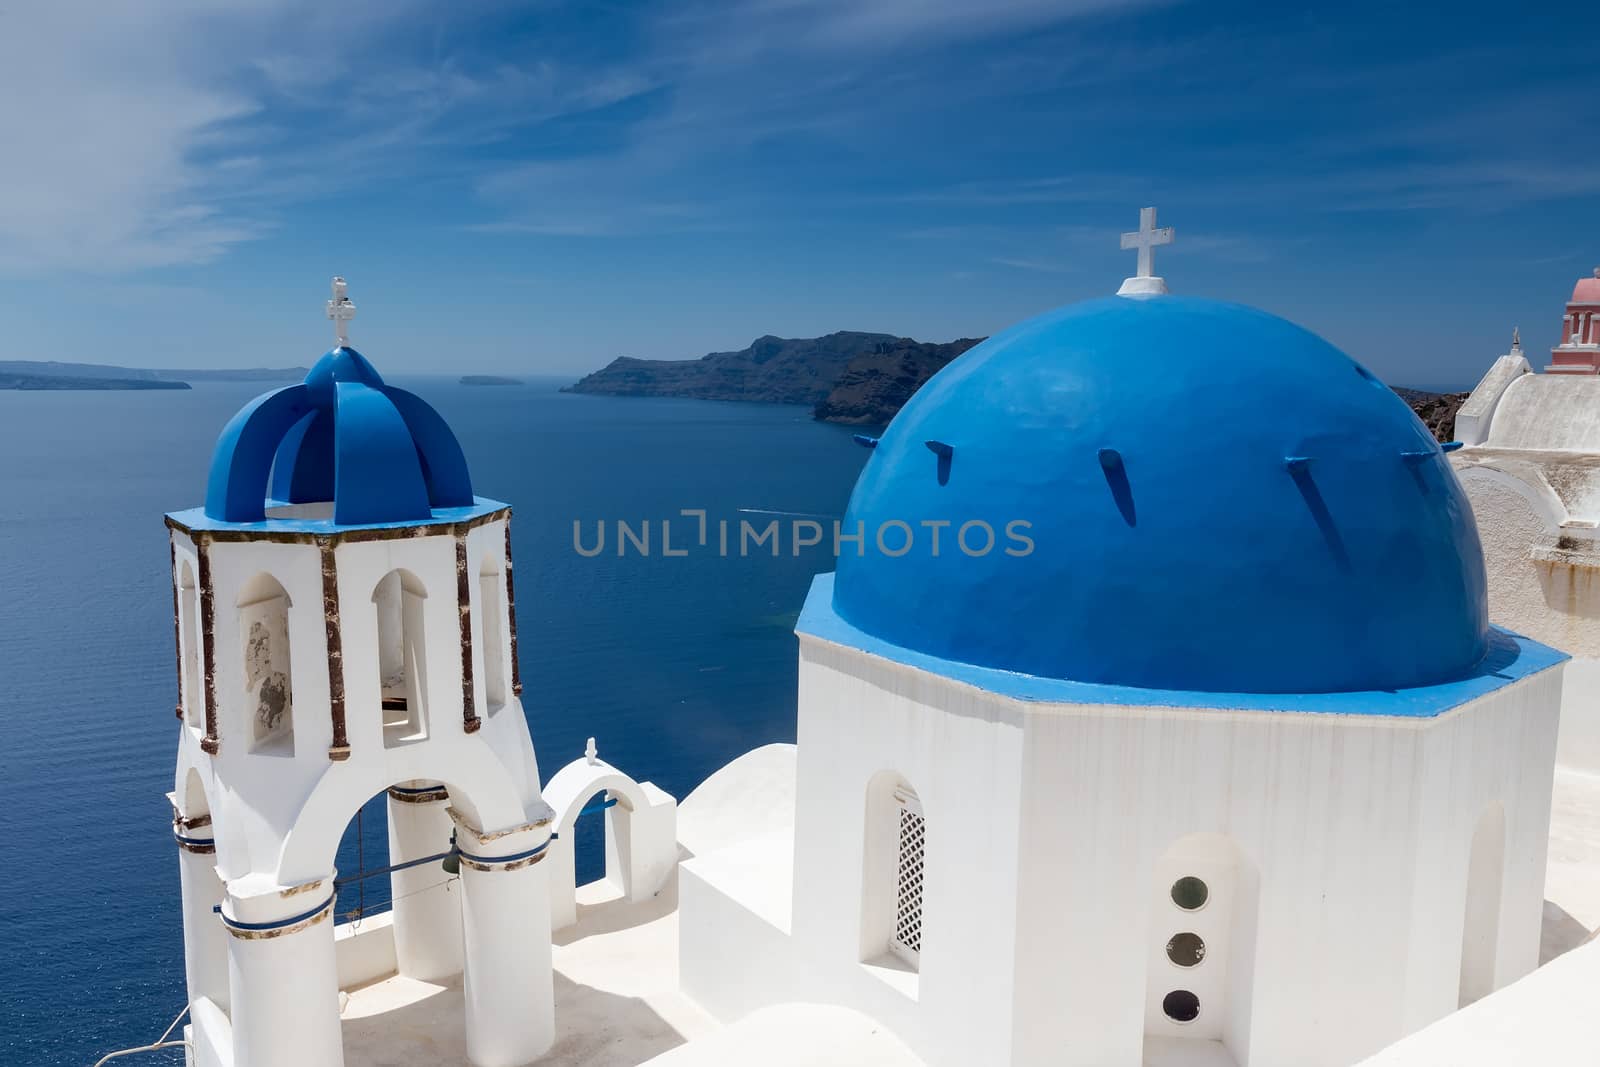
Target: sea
675, 664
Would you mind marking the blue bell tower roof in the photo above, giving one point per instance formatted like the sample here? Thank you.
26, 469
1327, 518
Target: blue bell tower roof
378, 454
1213, 500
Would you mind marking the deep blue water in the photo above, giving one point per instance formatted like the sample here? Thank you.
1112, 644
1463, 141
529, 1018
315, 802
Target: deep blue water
675, 664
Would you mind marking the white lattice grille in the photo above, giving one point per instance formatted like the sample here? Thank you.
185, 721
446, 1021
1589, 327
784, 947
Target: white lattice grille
907, 939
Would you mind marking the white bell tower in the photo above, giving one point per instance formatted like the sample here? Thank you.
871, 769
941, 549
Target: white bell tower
345, 632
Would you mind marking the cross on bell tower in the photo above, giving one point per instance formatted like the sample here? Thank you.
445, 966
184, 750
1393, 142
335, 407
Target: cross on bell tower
341, 310
1145, 239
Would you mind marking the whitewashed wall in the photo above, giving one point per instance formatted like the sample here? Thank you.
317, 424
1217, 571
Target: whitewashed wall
278, 809
1558, 603
260, 800
1053, 832
1358, 827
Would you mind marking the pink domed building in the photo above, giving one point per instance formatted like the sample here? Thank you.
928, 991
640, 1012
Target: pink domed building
1579, 350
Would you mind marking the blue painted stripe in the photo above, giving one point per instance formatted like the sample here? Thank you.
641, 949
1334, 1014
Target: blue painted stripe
590, 809
1511, 658
278, 925
490, 860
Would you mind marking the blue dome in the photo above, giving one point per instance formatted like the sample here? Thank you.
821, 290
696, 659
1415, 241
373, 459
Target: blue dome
379, 454
1216, 500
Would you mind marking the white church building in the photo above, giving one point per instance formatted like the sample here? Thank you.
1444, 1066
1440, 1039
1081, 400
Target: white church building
1212, 757
1531, 467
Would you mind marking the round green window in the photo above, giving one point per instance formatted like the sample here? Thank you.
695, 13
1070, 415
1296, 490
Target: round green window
1186, 949
1181, 1006
1190, 893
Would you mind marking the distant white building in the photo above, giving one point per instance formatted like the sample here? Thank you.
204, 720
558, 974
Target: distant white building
1531, 467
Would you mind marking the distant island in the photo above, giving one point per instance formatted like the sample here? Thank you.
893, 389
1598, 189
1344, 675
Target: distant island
16, 380
488, 379
856, 379
51, 374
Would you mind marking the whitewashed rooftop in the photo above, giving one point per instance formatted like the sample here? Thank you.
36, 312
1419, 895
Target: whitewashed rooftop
618, 1003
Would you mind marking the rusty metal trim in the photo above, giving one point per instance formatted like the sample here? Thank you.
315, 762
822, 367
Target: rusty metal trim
322, 913
198, 846
339, 750
179, 822
495, 835
511, 614
307, 537
470, 723
492, 867
424, 796
210, 743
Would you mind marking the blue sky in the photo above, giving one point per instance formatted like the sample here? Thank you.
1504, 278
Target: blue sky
540, 187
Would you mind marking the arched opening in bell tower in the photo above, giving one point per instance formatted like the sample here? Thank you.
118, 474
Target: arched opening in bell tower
263, 607
194, 712
400, 600
491, 597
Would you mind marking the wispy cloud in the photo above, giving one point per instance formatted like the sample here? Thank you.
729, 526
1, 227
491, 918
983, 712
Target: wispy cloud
738, 78
97, 167
1044, 266
159, 134
742, 30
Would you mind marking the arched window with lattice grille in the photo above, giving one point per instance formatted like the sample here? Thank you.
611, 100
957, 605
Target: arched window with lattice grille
905, 941
894, 870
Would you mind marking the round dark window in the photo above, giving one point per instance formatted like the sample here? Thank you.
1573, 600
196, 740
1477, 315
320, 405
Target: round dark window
1190, 893
1186, 949
1181, 1006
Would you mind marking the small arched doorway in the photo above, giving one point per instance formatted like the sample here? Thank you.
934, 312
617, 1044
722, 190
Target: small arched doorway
1204, 900
1480, 924
641, 834
394, 881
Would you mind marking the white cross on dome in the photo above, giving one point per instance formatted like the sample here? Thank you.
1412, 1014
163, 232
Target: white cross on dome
341, 310
1145, 239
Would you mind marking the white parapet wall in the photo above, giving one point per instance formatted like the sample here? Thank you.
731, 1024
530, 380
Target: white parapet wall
735, 887
365, 950
1547, 1018
210, 1035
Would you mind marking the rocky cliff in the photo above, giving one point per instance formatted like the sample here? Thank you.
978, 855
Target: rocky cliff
859, 379
1436, 410
772, 370
877, 383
